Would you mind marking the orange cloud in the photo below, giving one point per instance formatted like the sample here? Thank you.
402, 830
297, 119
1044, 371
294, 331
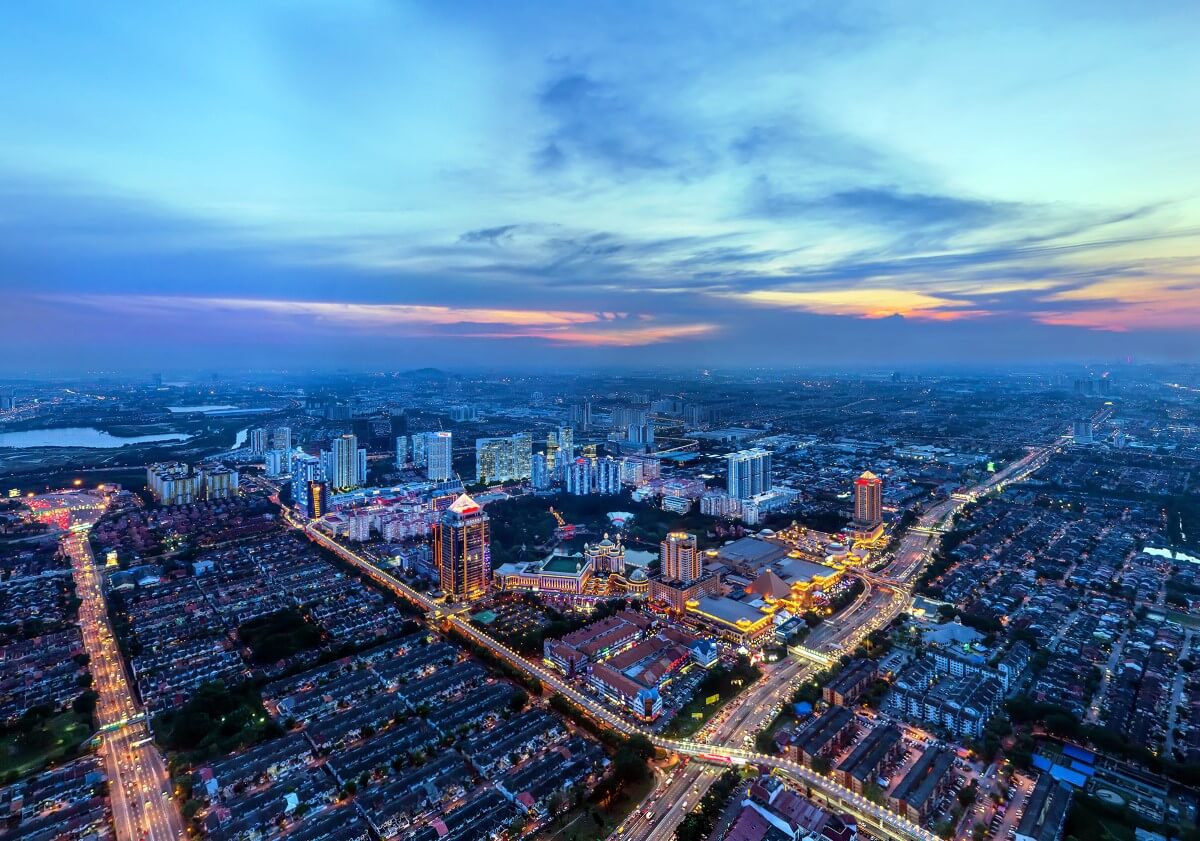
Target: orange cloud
557, 326
862, 303
1120, 305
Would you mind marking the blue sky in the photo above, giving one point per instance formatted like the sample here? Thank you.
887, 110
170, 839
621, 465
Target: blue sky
374, 184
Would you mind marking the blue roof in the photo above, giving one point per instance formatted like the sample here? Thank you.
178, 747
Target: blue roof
802, 708
1086, 770
1041, 763
1079, 753
1068, 776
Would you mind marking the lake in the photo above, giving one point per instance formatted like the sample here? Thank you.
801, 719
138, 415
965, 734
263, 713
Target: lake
1174, 556
204, 410
79, 436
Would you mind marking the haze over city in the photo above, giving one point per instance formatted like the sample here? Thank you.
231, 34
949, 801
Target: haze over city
659, 421
322, 186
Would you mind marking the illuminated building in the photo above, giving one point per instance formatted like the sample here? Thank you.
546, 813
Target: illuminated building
607, 556
675, 595
579, 477
359, 526
281, 439
569, 574
8, 400
219, 482
419, 450
589, 451
258, 442
720, 504
680, 557
172, 483
503, 459
552, 459
305, 469
868, 502
345, 463
463, 549
566, 443
540, 476
401, 451
608, 475
439, 457
318, 500
736, 622
748, 473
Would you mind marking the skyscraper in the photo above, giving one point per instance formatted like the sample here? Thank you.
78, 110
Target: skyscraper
401, 451
566, 443
420, 449
282, 439
540, 474
439, 457
258, 442
680, 557
463, 550
748, 472
504, 459
318, 499
345, 464
305, 469
868, 501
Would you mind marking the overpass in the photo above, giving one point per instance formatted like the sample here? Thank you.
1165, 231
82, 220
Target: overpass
815, 657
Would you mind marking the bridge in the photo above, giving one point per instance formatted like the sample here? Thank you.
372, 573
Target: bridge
816, 657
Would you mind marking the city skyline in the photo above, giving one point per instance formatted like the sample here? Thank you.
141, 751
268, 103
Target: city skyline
394, 186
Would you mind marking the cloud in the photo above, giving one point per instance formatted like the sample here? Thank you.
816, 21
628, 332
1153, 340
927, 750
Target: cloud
555, 326
861, 303
492, 236
595, 123
883, 207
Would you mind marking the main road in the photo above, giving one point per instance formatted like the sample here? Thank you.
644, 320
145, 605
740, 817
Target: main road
139, 785
889, 594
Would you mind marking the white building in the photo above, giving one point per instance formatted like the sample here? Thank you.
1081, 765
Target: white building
504, 459
345, 463
439, 450
748, 472
401, 451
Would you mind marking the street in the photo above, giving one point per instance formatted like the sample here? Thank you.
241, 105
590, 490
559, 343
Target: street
139, 786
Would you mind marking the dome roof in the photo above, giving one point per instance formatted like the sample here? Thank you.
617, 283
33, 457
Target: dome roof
638, 574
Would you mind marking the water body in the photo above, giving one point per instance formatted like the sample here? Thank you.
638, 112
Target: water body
79, 436
1175, 556
203, 410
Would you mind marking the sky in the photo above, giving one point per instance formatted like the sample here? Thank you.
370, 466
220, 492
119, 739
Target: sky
381, 185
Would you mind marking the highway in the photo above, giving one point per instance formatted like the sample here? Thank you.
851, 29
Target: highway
139, 785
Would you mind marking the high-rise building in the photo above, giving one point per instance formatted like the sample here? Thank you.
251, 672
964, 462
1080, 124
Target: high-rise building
868, 501
540, 476
420, 449
624, 417
282, 439
276, 463
463, 550
401, 451
579, 477
173, 483
552, 459
566, 443
345, 463
258, 442
641, 434
748, 472
318, 500
439, 453
579, 415
305, 469
1081, 431
608, 475
504, 459
8, 399
680, 557
220, 482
